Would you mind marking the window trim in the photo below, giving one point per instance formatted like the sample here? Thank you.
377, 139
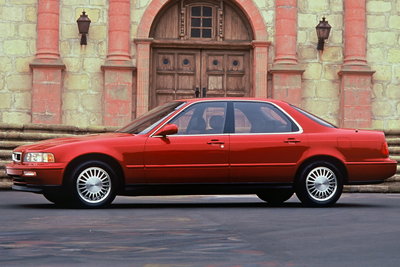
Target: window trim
229, 112
213, 21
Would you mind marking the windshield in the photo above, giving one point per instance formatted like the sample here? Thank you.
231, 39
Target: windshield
149, 120
314, 118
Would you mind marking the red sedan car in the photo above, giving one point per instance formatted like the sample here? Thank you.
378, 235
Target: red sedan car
207, 146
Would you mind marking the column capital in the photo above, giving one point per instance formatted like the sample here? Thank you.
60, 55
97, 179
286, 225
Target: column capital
47, 63
118, 65
287, 68
356, 70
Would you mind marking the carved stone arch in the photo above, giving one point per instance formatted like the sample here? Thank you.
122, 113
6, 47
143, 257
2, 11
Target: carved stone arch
184, 20
248, 7
256, 59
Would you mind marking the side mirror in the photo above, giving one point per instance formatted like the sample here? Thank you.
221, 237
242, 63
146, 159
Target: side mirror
168, 129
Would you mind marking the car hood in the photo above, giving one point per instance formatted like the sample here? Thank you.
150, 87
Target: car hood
46, 144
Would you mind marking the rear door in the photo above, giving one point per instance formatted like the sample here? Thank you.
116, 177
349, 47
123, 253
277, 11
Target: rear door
266, 144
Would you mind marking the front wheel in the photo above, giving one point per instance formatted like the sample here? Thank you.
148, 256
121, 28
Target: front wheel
320, 184
93, 185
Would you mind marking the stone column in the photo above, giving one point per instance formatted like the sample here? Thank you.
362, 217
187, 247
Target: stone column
286, 72
356, 75
260, 65
47, 66
118, 68
143, 75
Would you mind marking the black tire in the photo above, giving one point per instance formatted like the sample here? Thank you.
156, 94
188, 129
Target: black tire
92, 184
277, 196
57, 197
320, 184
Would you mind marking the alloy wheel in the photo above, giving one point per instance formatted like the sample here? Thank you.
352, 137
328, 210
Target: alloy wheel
321, 184
93, 185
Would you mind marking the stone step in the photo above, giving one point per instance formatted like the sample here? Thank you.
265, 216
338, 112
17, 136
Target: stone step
5, 154
4, 162
393, 141
6, 144
61, 129
5, 183
394, 150
30, 137
395, 157
389, 187
395, 178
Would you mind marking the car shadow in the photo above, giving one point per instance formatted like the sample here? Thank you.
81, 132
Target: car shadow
204, 205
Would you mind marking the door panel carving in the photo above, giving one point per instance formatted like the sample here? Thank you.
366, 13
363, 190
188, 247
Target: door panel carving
217, 73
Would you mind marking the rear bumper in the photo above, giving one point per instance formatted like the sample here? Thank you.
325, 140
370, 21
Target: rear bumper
370, 172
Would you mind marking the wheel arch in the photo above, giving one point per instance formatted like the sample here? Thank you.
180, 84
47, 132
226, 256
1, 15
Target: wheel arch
112, 162
335, 161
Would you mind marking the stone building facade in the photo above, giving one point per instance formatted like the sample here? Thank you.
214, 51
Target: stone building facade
141, 53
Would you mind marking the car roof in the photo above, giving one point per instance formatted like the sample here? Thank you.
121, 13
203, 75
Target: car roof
194, 100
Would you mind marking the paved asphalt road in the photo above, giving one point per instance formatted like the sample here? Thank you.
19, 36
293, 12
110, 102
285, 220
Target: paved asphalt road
215, 231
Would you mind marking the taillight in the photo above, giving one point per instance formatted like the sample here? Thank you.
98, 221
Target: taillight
385, 149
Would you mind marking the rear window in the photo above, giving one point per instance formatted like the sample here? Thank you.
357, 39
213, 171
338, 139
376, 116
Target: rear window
314, 118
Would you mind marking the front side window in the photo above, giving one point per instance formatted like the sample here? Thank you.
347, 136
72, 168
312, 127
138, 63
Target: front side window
258, 117
201, 118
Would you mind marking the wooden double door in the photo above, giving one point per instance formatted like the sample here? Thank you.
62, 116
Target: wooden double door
189, 73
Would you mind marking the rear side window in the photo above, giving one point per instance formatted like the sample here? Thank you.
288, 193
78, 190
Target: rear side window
314, 118
258, 117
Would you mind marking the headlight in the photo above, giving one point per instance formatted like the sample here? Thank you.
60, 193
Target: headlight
39, 157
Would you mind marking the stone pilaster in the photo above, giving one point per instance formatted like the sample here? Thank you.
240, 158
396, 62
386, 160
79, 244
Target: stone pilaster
47, 66
356, 75
286, 72
143, 75
118, 69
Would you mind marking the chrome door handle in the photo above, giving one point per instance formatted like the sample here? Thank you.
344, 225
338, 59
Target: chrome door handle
215, 142
292, 141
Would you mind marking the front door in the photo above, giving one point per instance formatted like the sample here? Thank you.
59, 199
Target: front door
198, 153
189, 73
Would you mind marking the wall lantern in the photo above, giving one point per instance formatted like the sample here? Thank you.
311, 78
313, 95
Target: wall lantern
83, 26
323, 30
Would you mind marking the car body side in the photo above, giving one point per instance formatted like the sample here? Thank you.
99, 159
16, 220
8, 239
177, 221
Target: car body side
361, 155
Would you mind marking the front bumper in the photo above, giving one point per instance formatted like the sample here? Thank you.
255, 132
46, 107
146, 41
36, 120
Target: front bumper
37, 189
36, 175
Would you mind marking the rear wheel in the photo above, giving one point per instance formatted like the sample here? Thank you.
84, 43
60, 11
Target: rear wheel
276, 196
93, 184
320, 184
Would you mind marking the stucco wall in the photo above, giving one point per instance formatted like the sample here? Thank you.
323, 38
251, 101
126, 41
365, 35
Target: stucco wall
83, 79
17, 49
321, 83
383, 54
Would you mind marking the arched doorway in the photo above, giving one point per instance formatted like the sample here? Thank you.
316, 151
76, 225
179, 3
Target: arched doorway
201, 48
